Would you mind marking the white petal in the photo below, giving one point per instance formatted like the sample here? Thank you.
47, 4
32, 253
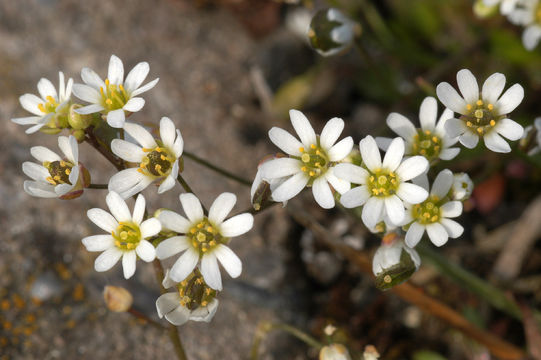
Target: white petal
167, 303
173, 221
107, 259
129, 260
125, 180
90, 77
127, 151
355, 197
401, 125
205, 313
118, 207
98, 242
192, 207
370, 153
428, 113
144, 181
437, 234
493, 87
178, 316
496, 143
440, 126
291, 187
531, 36
331, 132
450, 98
451, 209
455, 127
134, 104
63, 144
167, 131
211, 271
42, 154
338, 184
86, 93
136, 76
46, 88
145, 88
35, 171
172, 246
141, 135
302, 127
221, 207
453, 228
509, 129
510, 99
322, 193
102, 219
168, 183
467, 84
341, 149
372, 211
116, 70
229, 260
394, 154
394, 209
412, 167
184, 265
34, 128
281, 167
29, 120
237, 225
62, 189
469, 139
146, 251
116, 118
285, 141
442, 184
414, 234
150, 227
139, 209
30, 103
412, 193
39, 189
89, 109
178, 145
352, 173
449, 153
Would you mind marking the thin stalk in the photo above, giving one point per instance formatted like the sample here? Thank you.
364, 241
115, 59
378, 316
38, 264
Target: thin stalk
139, 315
217, 169
188, 189
97, 186
96, 144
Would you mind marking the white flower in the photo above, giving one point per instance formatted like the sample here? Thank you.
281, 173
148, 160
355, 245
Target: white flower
46, 108
331, 32
383, 184
433, 214
126, 234
537, 141
261, 190
56, 176
310, 162
334, 352
192, 300
390, 255
483, 114
203, 238
462, 187
157, 159
431, 140
114, 96
506, 6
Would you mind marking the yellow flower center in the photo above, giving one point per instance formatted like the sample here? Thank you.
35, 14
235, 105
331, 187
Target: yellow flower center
315, 161
49, 106
427, 212
158, 162
481, 117
59, 171
127, 235
427, 144
113, 97
204, 236
382, 183
194, 292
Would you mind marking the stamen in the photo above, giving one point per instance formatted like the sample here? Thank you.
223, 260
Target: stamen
479, 102
468, 107
480, 130
490, 107
492, 122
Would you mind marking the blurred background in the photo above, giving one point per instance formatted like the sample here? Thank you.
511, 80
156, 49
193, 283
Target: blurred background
229, 71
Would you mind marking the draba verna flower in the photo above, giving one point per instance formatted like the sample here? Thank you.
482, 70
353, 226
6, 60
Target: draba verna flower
462, 187
331, 32
393, 263
49, 109
193, 300
431, 140
485, 113
157, 159
506, 6
433, 214
203, 238
536, 130
261, 190
383, 186
311, 160
528, 14
126, 236
62, 177
115, 96
334, 352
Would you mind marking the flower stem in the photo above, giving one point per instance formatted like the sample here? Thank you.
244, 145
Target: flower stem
102, 149
172, 329
97, 186
188, 189
265, 327
139, 315
218, 169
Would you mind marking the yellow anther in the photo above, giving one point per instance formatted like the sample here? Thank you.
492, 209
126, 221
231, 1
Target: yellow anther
193, 230
426, 215
142, 165
210, 229
50, 180
490, 107
200, 225
311, 173
392, 174
479, 102
50, 99
204, 249
318, 152
436, 148
304, 169
130, 246
301, 149
372, 178
427, 132
435, 139
147, 150
199, 281
422, 152
157, 167
212, 242
312, 146
184, 282
469, 124
56, 177
140, 170
468, 106
159, 149
117, 243
393, 181
317, 164
194, 244
62, 163
492, 122
106, 82
41, 107
109, 101
163, 157
375, 191
208, 291
434, 218
204, 303
67, 171
480, 130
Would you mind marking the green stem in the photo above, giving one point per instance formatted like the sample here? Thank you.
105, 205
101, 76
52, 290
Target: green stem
265, 327
217, 169
97, 186
139, 315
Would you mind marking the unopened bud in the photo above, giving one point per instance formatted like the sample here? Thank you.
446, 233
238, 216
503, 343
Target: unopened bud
334, 352
332, 32
462, 187
79, 121
117, 298
482, 10
394, 263
370, 353
530, 142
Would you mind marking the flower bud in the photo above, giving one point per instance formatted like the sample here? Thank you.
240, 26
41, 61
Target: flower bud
483, 10
334, 352
117, 298
531, 140
370, 353
394, 263
331, 32
78, 121
462, 187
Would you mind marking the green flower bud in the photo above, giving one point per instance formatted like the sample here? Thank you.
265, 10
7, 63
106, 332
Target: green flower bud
78, 121
331, 32
394, 263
